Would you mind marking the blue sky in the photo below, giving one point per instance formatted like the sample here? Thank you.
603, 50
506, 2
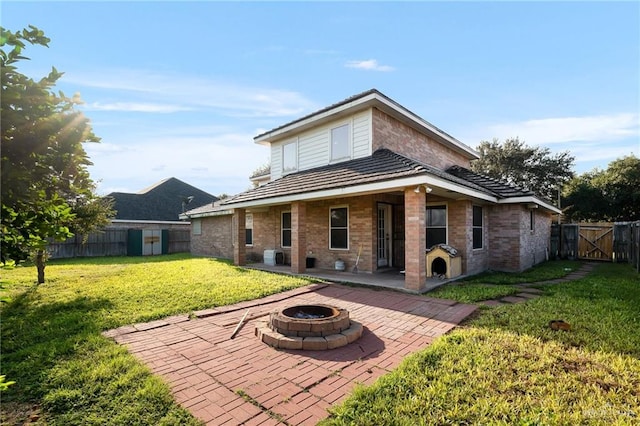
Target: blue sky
181, 88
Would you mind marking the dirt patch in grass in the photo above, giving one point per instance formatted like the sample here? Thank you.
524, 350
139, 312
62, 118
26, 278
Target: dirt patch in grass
20, 413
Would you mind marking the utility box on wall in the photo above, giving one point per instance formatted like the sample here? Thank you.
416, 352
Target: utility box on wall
147, 242
273, 257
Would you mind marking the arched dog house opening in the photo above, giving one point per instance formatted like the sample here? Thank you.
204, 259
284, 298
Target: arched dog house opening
439, 266
443, 261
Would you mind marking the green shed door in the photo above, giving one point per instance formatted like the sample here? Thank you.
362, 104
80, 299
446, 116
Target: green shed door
165, 241
134, 242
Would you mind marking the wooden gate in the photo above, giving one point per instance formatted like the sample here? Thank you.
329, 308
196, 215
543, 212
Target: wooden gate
595, 241
617, 242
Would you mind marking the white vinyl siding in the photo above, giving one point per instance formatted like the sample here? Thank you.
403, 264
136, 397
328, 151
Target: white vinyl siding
313, 149
361, 134
314, 146
276, 161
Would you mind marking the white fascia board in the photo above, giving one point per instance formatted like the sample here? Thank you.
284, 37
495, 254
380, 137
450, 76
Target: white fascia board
208, 214
370, 188
530, 199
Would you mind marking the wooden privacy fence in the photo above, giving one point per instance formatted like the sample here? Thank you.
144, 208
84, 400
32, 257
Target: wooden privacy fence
614, 242
112, 242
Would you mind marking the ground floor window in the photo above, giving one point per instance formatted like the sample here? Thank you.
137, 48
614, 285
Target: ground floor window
339, 228
436, 225
477, 227
532, 221
196, 226
286, 229
248, 226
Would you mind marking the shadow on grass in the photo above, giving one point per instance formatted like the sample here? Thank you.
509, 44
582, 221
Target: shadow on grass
35, 337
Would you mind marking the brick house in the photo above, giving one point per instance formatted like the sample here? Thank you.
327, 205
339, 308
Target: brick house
368, 176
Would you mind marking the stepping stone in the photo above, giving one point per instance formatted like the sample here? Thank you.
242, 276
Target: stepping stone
531, 290
527, 296
491, 303
513, 299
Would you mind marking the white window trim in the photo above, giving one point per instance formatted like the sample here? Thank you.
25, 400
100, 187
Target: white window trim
293, 142
346, 206
246, 226
282, 228
481, 227
446, 218
349, 142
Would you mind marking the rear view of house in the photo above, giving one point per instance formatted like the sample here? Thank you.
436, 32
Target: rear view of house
366, 178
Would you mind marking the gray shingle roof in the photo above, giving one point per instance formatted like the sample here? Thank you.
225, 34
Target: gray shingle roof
383, 165
501, 189
161, 201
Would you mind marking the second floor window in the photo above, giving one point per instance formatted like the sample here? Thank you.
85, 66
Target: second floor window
290, 157
340, 143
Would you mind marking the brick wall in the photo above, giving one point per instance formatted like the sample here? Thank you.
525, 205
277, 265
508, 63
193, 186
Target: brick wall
215, 239
362, 232
514, 247
460, 224
534, 244
392, 134
504, 237
361, 226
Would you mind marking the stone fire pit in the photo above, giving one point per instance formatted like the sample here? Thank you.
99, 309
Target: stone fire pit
309, 327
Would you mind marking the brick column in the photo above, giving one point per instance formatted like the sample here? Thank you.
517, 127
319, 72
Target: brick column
239, 237
298, 237
415, 219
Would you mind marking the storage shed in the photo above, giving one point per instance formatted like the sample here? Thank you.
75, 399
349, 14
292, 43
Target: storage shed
147, 242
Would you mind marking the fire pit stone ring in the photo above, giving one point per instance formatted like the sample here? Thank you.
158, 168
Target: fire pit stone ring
309, 327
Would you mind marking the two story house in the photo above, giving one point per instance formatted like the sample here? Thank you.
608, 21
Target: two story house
368, 179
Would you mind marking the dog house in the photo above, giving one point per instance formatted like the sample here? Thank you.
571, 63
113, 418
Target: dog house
443, 261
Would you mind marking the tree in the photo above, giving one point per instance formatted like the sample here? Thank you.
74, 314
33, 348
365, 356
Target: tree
605, 195
46, 189
518, 164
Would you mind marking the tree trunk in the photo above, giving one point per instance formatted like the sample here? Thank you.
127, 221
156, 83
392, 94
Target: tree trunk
40, 264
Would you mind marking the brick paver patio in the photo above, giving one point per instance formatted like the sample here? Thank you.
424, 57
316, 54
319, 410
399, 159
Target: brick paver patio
244, 381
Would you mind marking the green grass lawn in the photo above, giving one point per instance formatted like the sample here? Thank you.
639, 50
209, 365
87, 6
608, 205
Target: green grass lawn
494, 285
51, 342
542, 272
505, 366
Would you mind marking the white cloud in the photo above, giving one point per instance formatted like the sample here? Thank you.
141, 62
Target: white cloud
183, 92
369, 65
213, 163
570, 129
134, 107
